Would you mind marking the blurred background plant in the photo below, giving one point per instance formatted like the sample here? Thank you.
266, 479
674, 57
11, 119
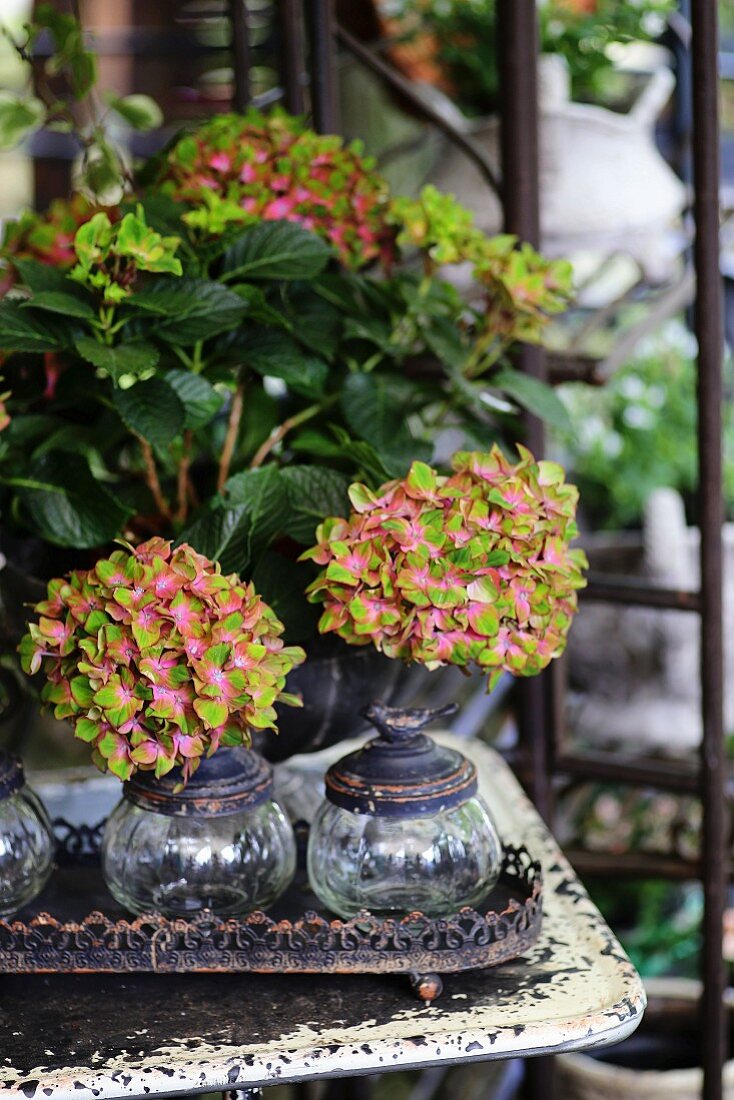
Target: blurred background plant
658, 923
637, 433
61, 96
456, 40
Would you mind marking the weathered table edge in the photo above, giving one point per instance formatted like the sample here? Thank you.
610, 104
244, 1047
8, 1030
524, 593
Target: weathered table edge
212, 1068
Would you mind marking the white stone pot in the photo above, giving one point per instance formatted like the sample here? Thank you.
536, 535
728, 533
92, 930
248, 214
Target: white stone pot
605, 187
581, 1077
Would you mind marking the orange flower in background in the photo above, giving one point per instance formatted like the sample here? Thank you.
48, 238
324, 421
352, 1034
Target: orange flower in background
580, 7
417, 59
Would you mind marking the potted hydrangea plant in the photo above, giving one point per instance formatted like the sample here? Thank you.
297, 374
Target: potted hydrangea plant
256, 323
164, 665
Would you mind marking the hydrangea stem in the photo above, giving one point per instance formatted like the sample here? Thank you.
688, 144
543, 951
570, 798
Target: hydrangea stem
230, 440
183, 477
152, 479
287, 426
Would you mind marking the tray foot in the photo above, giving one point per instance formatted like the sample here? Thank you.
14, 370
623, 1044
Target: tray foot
426, 986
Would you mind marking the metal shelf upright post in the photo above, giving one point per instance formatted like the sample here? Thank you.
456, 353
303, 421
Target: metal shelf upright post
540, 730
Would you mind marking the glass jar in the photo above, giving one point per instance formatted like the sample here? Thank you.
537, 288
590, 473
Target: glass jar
27, 842
402, 828
221, 843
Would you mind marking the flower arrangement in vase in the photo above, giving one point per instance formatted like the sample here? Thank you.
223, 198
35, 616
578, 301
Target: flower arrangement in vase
473, 568
165, 665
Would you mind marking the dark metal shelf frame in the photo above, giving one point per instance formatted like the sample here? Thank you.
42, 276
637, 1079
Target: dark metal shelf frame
543, 714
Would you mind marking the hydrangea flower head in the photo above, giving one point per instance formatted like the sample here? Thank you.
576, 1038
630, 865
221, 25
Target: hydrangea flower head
158, 658
47, 237
470, 569
520, 288
255, 167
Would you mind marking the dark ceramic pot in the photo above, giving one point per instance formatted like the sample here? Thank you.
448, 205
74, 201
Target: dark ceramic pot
336, 683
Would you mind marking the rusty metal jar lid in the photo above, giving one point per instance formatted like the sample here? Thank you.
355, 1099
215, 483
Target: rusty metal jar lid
403, 772
11, 774
230, 781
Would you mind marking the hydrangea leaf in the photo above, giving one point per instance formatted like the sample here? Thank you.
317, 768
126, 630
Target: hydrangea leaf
134, 360
151, 409
200, 399
139, 111
22, 331
19, 117
211, 712
190, 309
276, 250
67, 506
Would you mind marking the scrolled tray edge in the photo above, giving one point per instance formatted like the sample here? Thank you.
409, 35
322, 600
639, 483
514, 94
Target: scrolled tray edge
258, 943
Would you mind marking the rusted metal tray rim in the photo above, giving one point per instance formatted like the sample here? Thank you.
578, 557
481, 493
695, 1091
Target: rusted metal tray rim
309, 943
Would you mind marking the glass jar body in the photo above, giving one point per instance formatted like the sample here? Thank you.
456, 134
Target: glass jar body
179, 865
27, 848
434, 863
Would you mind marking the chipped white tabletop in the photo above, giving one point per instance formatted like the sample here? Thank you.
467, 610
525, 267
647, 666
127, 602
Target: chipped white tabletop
94, 1037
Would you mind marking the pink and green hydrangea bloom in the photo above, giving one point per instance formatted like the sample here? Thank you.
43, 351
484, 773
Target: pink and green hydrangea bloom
46, 237
243, 169
158, 658
474, 568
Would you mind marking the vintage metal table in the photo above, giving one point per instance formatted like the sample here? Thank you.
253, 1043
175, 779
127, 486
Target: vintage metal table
94, 1037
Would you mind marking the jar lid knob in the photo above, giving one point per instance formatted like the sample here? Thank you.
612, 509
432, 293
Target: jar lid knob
403, 772
396, 724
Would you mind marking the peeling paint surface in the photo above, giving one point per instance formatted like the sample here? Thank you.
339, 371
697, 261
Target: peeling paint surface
106, 1036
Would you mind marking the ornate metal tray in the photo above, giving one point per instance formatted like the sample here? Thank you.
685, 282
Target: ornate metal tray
75, 926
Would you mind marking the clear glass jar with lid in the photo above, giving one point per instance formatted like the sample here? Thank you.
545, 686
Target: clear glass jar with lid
402, 827
220, 843
27, 844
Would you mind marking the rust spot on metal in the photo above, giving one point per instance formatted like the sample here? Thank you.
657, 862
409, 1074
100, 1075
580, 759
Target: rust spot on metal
427, 986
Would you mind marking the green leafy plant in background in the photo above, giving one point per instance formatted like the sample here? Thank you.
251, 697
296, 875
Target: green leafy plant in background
61, 77
658, 923
461, 35
257, 323
638, 433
